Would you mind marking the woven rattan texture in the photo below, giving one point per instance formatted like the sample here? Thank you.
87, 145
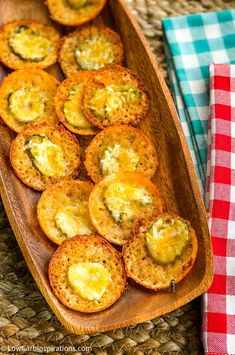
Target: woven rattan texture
25, 319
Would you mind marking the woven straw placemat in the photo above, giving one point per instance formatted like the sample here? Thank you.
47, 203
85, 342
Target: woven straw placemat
27, 323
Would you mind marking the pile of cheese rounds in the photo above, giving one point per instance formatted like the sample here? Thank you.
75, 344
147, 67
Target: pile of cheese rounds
115, 204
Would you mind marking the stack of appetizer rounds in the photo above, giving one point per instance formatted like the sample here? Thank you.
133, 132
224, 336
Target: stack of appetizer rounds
118, 204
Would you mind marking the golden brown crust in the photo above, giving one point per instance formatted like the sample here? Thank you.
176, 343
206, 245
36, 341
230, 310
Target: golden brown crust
62, 95
153, 275
127, 137
70, 42
127, 114
23, 166
118, 233
67, 15
13, 61
86, 248
63, 193
31, 79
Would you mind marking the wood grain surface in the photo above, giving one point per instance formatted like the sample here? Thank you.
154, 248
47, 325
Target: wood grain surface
175, 177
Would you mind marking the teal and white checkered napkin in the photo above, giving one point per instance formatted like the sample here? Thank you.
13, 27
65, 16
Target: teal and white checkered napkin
191, 44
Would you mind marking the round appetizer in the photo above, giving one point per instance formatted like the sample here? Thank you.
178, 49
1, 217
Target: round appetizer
62, 210
68, 103
113, 96
74, 12
119, 149
161, 251
27, 97
28, 42
90, 48
87, 274
119, 200
43, 154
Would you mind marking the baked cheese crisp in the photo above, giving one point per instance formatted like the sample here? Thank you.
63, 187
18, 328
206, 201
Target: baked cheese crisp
90, 48
115, 96
44, 154
27, 42
119, 200
62, 210
166, 248
27, 97
75, 12
119, 149
87, 274
68, 103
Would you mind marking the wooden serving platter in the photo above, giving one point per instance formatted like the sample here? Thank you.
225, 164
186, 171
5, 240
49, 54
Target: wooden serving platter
175, 177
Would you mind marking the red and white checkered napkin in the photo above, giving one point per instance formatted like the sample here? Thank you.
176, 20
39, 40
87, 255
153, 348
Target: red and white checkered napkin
219, 302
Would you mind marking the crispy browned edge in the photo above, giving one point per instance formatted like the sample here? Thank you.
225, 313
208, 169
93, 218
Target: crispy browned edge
60, 99
27, 71
101, 184
102, 28
93, 149
25, 64
134, 235
60, 250
25, 134
53, 189
75, 23
92, 83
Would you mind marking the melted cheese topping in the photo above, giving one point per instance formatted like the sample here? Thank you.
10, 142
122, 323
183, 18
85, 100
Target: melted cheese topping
89, 280
73, 220
94, 53
29, 45
116, 157
26, 106
48, 157
72, 109
112, 97
77, 3
166, 239
123, 201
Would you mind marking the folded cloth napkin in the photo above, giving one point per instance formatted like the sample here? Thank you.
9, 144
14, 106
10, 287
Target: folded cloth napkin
191, 44
219, 302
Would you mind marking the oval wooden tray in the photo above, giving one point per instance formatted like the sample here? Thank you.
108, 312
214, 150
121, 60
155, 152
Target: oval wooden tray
175, 177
